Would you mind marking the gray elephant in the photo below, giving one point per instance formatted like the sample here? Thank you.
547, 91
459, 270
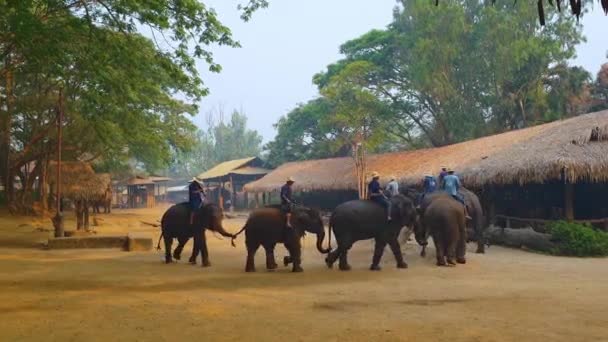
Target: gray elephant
175, 223
361, 220
267, 226
476, 224
444, 220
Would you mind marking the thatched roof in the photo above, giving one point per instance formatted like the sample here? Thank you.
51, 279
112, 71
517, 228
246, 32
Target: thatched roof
533, 154
578, 147
78, 180
245, 166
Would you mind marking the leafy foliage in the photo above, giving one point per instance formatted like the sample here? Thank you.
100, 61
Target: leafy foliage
441, 75
222, 141
120, 88
575, 239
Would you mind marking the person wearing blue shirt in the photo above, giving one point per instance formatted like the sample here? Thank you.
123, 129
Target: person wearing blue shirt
451, 185
196, 197
286, 200
374, 193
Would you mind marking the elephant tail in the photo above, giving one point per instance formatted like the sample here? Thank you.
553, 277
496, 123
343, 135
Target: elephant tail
237, 234
159, 239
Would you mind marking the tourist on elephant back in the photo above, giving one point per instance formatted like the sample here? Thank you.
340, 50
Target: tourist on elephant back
442, 174
196, 197
286, 200
429, 185
451, 185
392, 188
374, 193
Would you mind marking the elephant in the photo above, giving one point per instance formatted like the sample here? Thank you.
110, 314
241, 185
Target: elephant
266, 227
444, 219
473, 207
363, 219
175, 223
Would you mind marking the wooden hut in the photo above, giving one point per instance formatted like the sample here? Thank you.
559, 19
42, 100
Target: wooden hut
545, 171
229, 178
145, 192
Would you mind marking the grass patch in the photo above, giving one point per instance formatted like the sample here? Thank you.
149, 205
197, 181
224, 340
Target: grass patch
575, 239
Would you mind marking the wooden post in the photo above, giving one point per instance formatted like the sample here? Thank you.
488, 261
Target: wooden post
58, 219
246, 200
264, 198
233, 195
569, 201
257, 199
221, 195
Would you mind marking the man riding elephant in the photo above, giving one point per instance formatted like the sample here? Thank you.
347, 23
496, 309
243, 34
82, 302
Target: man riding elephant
287, 201
374, 193
196, 197
451, 185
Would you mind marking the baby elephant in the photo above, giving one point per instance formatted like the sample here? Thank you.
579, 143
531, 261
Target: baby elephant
266, 227
444, 219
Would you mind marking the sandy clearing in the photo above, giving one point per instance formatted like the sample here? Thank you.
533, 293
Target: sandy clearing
109, 295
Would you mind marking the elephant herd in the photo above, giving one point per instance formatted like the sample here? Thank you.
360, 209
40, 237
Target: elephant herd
437, 215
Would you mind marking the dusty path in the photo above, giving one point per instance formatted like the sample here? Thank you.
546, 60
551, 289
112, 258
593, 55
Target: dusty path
107, 295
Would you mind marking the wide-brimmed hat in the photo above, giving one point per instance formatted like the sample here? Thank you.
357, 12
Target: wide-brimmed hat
392, 177
290, 180
375, 174
195, 180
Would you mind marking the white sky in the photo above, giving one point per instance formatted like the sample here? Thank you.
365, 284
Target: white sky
287, 43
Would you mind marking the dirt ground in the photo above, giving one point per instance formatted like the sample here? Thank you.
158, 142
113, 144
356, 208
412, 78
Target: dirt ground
110, 295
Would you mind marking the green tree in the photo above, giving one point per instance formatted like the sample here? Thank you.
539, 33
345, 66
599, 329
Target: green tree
221, 142
118, 86
600, 90
461, 70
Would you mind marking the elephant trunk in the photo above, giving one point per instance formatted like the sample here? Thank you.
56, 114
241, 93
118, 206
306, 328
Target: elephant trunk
320, 238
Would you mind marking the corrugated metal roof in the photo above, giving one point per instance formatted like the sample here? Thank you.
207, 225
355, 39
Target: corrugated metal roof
225, 168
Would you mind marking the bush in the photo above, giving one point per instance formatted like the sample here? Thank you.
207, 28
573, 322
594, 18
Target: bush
580, 240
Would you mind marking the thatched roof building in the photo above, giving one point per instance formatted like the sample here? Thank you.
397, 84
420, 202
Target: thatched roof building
78, 180
531, 155
572, 150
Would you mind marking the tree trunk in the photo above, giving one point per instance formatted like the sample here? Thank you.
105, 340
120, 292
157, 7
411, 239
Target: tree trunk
78, 210
520, 238
42, 184
85, 208
6, 133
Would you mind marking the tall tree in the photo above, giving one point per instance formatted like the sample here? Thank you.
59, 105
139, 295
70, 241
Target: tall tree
222, 141
119, 86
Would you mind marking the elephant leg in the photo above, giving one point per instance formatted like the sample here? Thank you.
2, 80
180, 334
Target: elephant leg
205, 251
461, 247
295, 252
481, 242
181, 242
196, 248
378, 251
332, 257
168, 243
439, 250
396, 249
271, 264
451, 250
342, 253
251, 249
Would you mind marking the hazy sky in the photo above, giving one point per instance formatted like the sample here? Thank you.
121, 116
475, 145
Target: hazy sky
287, 43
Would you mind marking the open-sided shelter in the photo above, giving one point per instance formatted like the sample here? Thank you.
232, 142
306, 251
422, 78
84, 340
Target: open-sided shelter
229, 178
